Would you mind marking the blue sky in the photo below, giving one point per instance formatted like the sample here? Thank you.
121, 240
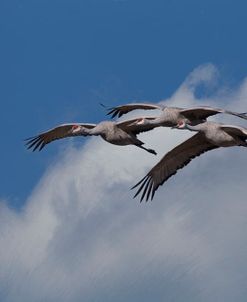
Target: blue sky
59, 60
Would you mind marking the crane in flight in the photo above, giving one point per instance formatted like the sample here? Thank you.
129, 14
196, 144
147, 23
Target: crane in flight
117, 133
171, 116
209, 136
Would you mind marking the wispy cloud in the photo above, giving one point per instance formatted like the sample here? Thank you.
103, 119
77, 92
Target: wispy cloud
81, 236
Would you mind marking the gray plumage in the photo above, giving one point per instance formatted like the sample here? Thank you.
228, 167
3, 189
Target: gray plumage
210, 136
121, 133
170, 116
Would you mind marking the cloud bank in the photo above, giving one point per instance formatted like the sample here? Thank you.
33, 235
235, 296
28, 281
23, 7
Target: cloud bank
81, 236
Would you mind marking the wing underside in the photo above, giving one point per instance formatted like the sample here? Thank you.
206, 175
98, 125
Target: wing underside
174, 160
62, 131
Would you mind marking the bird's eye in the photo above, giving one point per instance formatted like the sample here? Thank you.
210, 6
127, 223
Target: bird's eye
75, 127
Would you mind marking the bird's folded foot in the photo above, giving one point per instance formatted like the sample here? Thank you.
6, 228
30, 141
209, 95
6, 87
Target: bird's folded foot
152, 151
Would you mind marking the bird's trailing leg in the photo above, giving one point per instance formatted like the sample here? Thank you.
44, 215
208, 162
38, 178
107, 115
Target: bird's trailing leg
148, 150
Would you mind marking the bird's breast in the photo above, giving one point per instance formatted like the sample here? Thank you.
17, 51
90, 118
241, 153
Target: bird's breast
170, 117
221, 139
117, 137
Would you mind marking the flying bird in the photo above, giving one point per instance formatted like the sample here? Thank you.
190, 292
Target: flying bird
117, 133
210, 136
171, 116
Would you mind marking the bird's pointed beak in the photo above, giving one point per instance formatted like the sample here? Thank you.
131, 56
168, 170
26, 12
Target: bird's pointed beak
139, 122
132, 124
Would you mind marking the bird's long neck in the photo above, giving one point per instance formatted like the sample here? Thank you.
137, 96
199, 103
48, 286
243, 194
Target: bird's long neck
86, 131
193, 128
151, 121
94, 131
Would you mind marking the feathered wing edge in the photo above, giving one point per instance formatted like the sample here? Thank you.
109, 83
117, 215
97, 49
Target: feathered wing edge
62, 131
235, 130
174, 160
118, 111
203, 112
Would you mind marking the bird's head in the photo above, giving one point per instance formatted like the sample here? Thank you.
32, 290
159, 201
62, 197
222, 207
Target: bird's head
142, 121
180, 125
139, 121
76, 128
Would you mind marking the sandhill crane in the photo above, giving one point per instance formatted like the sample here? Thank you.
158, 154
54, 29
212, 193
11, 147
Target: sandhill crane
210, 136
171, 116
121, 133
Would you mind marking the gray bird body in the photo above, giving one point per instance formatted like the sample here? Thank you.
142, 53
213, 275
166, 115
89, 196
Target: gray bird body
218, 135
209, 136
113, 134
168, 118
117, 133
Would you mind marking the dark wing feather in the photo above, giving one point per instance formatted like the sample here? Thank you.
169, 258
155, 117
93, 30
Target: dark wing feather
202, 113
133, 127
174, 160
123, 109
62, 131
235, 130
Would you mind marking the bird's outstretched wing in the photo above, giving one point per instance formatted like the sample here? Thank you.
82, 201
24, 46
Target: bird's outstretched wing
235, 130
135, 128
202, 113
65, 130
174, 160
123, 109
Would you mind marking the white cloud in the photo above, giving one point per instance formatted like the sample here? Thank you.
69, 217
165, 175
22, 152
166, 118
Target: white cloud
81, 236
